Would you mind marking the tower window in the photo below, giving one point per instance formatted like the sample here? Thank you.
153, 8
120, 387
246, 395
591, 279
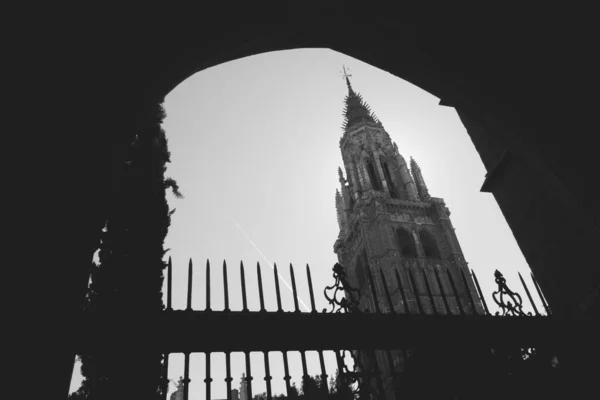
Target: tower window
388, 179
430, 247
375, 183
405, 243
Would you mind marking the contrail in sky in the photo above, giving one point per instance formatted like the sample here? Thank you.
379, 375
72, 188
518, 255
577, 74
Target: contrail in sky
267, 261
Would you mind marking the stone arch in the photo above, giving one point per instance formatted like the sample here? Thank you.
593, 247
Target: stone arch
430, 246
405, 243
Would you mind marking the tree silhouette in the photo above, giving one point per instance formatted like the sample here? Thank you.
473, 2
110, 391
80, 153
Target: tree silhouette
314, 388
129, 276
340, 389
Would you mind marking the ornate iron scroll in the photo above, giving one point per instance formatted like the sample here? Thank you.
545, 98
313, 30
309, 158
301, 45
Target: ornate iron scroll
360, 377
514, 308
348, 302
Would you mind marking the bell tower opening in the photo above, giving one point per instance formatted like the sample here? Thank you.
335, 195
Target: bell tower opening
388, 179
375, 182
405, 243
430, 247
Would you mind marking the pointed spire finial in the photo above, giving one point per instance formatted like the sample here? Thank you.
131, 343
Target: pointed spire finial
340, 173
356, 109
346, 76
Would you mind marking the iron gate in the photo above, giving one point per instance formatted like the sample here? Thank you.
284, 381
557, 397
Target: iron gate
402, 355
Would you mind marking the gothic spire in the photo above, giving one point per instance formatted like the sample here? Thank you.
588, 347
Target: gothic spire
341, 174
347, 76
356, 109
413, 164
419, 181
340, 210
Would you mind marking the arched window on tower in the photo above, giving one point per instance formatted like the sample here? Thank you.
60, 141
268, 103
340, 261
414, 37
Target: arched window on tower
430, 247
388, 179
405, 243
375, 183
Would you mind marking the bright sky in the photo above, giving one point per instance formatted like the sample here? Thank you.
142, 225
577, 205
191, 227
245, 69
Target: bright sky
255, 149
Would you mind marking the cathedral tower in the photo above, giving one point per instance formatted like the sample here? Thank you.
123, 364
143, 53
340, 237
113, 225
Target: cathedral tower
388, 221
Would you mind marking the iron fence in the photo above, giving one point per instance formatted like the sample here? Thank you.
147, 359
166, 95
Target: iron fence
415, 337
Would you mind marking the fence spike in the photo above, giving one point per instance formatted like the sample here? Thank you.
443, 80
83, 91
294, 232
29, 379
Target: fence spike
186, 376
429, 292
402, 293
480, 293
260, 288
387, 291
340, 365
208, 286
294, 288
244, 302
528, 294
278, 293
208, 379
442, 292
226, 287
189, 293
539, 290
414, 290
248, 375
323, 371
169, 285
472, 299
228, 379
305, 375
286, 377
456, 294
373, 290
310, 288
268, 376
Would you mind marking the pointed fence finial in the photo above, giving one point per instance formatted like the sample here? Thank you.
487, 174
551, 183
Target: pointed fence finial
189, 288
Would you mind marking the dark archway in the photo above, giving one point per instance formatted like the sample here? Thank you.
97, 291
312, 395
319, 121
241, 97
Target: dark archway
532, 165
405, 243
430, 247
388, 179
373, 177
522, 93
